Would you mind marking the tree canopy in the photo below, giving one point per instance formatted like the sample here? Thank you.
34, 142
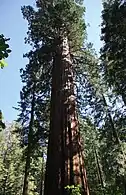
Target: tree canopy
70, 133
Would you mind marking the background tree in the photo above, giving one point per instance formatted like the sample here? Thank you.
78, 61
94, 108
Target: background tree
113, 52
62, 67
33, 114
4, 52
101, 106
11, 166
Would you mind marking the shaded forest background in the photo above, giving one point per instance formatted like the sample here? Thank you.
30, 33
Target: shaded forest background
100, 90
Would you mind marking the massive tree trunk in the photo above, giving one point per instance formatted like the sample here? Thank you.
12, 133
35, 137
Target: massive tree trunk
65, 162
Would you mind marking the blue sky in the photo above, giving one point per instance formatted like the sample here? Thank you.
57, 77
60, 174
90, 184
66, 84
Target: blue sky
14, 26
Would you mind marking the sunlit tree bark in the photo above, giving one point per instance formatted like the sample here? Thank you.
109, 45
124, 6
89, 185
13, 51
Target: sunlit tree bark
65, 162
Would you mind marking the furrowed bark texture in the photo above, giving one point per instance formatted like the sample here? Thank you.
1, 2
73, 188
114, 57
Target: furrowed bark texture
65, 163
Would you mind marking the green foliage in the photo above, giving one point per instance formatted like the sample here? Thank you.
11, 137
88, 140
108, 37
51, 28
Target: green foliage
2, 63
4, 47
37, 171
53, 21
73, 190
98, 106
113, 71
11, 166
2, 125
4, 50
93, 164
102, 128
113, 53
48, 25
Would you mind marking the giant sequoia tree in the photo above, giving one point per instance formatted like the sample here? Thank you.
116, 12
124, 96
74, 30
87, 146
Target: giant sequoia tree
56, 30
66, 86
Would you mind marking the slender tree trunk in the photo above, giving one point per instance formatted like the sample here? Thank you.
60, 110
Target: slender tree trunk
115, 135
29, 148
99, 171
42, 175
6, 164
117, 139
65, 162
124, 98
27, 167
122, 93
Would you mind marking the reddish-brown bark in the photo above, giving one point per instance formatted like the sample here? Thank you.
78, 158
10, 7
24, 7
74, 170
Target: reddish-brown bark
65, 163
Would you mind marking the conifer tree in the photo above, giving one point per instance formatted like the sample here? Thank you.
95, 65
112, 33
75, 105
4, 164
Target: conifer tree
57, 30
103, 110
113, 52
33, 113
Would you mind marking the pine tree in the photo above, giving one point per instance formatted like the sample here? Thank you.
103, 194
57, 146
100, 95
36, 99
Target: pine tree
113, 52
113, 67
101, 107
93, 163
33, 113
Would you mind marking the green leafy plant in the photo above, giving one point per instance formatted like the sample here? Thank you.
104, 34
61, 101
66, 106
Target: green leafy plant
74, 190
4, 50
2, 63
